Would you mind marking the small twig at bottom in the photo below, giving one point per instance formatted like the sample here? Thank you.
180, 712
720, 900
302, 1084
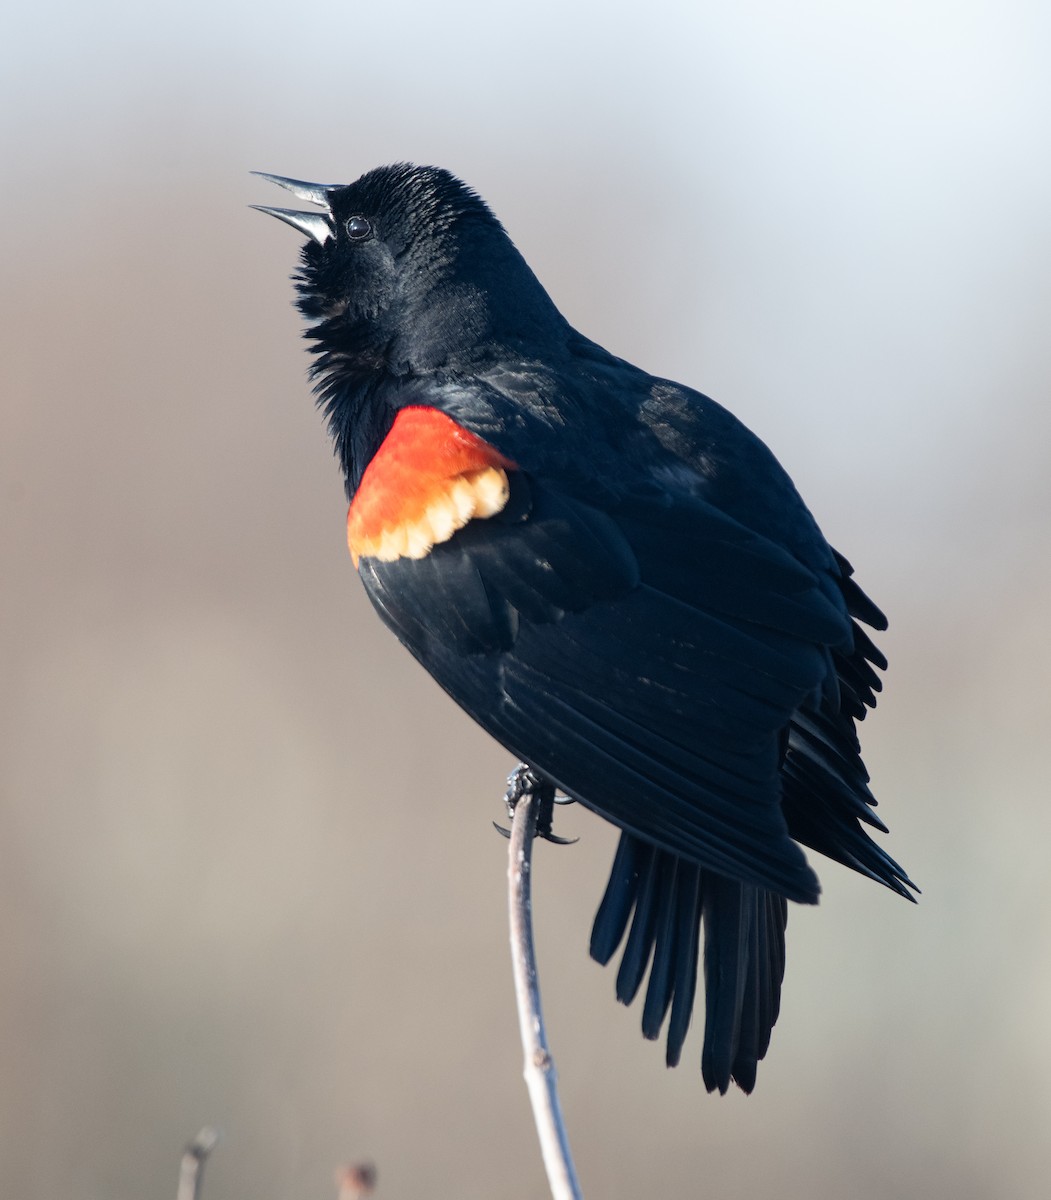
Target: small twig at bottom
356, 1181
192, 1165
539, 1071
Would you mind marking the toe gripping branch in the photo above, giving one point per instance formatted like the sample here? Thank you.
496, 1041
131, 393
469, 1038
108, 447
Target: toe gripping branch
525, 781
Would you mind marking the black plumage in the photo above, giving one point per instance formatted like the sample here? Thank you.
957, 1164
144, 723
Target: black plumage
653, 620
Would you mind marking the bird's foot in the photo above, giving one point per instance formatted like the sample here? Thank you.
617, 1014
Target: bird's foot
525, 781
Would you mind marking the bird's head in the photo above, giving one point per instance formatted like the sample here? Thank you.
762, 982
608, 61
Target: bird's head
407, 270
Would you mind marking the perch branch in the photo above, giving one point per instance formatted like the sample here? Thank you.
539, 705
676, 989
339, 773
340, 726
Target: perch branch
539, 1071
192, 1166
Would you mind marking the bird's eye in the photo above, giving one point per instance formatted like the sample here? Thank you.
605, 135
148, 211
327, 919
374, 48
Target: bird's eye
358, 228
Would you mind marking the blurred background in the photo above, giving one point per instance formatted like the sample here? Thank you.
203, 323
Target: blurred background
247, 870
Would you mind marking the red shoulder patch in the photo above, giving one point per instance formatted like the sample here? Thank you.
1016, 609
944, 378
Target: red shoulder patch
429, 478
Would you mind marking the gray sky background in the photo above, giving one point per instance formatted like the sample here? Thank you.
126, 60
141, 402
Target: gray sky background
247, 874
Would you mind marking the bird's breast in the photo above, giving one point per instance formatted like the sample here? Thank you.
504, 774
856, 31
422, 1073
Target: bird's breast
429, 477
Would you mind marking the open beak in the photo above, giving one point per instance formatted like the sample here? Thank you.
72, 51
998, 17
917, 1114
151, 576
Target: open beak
315, 225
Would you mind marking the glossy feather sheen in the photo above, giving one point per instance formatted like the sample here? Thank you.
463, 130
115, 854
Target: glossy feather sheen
617, 580
427, 480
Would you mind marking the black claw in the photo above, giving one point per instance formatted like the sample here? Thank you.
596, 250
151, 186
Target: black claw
502, 831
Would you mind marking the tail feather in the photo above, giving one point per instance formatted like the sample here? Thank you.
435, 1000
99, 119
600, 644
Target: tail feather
641, 936
668, 901
612, 917
729, 918
688, 936
665, 952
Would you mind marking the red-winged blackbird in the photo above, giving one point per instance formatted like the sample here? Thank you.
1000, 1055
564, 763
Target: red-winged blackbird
612, 575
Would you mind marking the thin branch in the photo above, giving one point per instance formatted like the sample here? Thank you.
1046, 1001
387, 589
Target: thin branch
539, 1071
356, 1182
192, 1166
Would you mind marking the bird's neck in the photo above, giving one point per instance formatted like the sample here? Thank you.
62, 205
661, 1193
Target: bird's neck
359, 418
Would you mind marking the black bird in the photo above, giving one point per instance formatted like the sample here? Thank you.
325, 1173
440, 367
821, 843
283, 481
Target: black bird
612, 575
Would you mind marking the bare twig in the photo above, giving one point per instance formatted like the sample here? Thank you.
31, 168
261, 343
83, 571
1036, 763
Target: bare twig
356, 1182
192, 1166
539, 1071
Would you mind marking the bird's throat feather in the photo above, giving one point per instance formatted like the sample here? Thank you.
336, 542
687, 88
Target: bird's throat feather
429, 477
